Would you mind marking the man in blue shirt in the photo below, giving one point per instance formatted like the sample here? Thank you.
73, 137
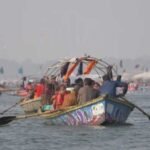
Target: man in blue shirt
109, 86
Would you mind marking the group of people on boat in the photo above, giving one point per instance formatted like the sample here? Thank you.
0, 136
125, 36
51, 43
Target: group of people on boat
64, 94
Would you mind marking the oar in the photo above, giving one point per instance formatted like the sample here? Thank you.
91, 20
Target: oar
6, 119
140, 109
10, 107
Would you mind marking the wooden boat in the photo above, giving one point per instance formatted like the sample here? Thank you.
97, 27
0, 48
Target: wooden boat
103, 110
108, 110
31, 105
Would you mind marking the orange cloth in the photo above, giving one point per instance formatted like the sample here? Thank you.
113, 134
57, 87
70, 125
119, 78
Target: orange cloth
39, 89
69, 100
58, 100
89, 67
70, 70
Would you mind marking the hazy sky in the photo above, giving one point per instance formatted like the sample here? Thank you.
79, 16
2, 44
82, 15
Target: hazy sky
48, 29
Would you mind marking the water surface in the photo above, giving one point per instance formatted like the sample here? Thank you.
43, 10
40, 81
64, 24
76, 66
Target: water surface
37, 134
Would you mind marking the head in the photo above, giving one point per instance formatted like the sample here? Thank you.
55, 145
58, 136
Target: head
42, 81
62, 89
106, 77
88, 81
67, 82
79, 81
30, 81
96, 86
24, 78
119, 78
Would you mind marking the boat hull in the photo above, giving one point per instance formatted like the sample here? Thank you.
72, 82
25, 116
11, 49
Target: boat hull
116, 111
95, 112
31, 106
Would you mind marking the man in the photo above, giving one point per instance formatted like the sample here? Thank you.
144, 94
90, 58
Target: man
109, 86
78, 85
51, 87
87, 92
124, 87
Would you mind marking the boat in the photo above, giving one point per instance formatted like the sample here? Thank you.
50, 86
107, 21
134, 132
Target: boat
103, 110
31, 105
22, 93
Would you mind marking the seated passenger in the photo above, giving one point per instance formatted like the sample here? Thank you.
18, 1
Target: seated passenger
39, 89
96, 86
59, 97
109, 86
87, 92
78, 85
70, 99
67, 82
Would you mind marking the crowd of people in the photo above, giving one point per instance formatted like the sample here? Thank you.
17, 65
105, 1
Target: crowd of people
65, 94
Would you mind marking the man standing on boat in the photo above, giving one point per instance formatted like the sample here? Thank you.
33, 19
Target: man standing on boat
109, 86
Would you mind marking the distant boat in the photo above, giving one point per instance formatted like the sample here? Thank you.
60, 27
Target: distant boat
31, 105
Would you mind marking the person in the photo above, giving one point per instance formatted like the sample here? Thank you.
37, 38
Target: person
67, 82
96, 86
30, 89
70, 99
78, 85
49, 89
39, 89
24, 83
110, 86
59, 97
109, 72
87, 92
124, 87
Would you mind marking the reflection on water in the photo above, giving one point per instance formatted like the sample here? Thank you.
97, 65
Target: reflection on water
37, 134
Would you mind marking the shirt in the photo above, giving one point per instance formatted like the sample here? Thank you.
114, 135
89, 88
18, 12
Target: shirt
109, 87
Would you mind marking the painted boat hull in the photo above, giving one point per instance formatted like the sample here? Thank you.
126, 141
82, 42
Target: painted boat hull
31, 106
96, 112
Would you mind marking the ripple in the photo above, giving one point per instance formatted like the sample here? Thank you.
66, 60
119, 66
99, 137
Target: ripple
37, 134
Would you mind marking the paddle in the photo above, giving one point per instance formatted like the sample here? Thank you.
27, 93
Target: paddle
6, 119
11, 107
140, 109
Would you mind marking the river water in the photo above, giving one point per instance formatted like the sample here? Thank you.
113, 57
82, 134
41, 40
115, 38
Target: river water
37, 134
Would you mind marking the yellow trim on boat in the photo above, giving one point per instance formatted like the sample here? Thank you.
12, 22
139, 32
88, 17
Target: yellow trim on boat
49, 114
30, 101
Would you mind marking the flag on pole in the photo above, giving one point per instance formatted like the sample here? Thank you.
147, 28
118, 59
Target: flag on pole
41, 66
137, 66
2, 70
124, 70
20, 70
121, 64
